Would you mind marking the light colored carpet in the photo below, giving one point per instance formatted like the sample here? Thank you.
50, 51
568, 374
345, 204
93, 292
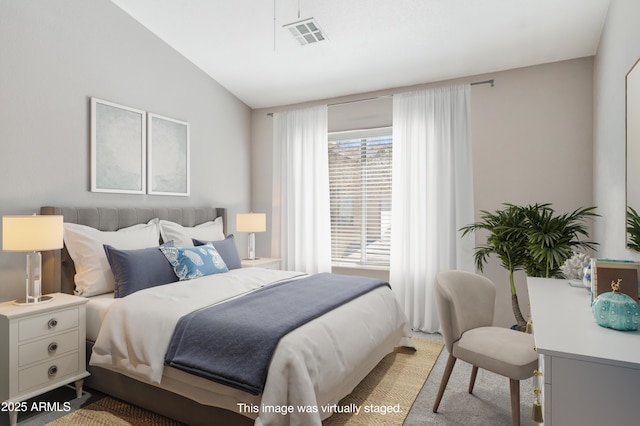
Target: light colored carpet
489, 405
384, 397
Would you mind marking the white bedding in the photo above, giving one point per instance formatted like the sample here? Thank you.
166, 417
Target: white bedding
97, 308
315, 365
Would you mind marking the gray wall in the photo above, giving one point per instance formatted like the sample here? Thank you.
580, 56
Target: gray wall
619, 49
54, 56
532, 142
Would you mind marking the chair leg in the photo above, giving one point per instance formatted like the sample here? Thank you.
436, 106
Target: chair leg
445, 379
472, 382
514, 385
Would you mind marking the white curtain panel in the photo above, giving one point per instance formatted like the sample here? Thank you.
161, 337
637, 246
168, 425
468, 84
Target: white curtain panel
432, 196
301, 215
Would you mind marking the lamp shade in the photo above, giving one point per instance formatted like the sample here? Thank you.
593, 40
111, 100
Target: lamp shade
32, 233
251, 222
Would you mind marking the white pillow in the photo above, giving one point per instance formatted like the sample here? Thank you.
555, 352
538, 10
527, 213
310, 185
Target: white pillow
86, 248
182, 235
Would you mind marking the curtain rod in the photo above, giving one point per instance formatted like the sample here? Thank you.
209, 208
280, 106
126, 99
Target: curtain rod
475, 83
491, 82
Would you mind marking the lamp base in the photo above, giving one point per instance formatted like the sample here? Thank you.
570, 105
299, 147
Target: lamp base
25, 302
252, 246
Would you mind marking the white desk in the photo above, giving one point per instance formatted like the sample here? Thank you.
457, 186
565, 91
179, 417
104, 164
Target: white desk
591, 373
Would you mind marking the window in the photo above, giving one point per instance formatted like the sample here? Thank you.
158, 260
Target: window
360, 191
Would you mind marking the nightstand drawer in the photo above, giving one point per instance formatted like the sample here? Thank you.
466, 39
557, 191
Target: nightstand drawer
49, 347
52, 322
48, 372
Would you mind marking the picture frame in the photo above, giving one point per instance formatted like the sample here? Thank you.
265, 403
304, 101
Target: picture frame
118, 148
606, 271
168, 150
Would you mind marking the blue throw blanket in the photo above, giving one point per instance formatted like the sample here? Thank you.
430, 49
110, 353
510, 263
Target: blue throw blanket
233, 342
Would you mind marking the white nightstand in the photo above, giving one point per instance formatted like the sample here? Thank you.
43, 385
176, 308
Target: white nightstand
42, 347
262, 262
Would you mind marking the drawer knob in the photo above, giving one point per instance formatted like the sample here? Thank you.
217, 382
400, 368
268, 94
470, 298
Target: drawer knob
53, 370
52, 322
53, 346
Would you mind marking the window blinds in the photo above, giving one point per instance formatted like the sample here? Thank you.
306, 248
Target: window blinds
360, 196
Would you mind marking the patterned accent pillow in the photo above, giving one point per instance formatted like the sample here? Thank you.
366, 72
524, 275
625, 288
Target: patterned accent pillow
227, 249
194, 262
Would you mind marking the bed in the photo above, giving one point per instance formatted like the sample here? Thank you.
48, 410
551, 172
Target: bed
316, 364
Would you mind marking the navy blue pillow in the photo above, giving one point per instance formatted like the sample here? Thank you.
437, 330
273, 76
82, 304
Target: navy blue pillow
135, 270
227, 250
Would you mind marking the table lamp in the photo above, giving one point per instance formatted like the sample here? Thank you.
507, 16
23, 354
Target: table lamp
32, 234
251, 223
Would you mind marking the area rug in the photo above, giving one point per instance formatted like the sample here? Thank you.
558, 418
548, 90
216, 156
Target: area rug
384, 397
109, 411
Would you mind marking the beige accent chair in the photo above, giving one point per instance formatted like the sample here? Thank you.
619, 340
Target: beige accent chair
466, 304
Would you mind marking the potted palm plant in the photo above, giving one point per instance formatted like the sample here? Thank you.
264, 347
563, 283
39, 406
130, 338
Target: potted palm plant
553, 238
532, 238
507, 241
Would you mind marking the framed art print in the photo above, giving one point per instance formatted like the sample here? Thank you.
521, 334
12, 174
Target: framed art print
168, 156
118, 150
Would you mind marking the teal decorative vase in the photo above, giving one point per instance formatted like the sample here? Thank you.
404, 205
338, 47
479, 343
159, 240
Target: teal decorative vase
616, 310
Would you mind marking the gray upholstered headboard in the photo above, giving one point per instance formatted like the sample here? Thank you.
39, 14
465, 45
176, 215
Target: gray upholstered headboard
57, 267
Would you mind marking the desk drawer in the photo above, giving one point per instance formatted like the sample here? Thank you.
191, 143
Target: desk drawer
48, 323
49, 347
48, 372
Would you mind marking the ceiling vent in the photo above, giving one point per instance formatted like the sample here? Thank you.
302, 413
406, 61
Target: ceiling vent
306, 31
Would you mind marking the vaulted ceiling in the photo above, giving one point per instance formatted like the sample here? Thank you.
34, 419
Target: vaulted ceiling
371, 44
